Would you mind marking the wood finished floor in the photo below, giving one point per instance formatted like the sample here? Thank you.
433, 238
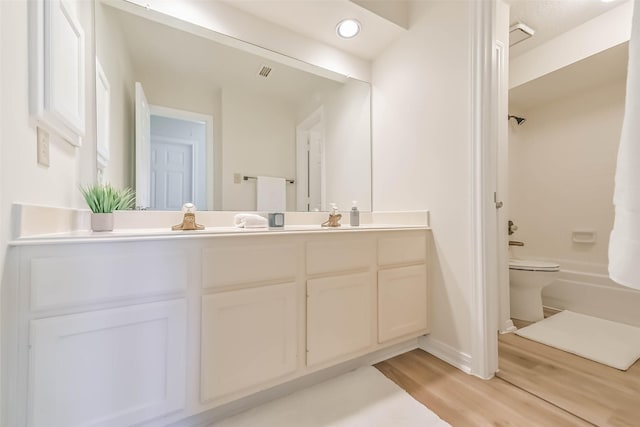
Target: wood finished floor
597, 393
463, 400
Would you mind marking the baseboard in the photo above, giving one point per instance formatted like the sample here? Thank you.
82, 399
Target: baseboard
447, 353
209, 417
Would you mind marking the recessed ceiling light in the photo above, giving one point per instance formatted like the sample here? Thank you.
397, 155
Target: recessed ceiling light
348, 28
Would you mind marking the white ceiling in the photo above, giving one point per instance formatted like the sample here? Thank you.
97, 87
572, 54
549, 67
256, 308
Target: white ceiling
159, 50
550, 18
317, 19
597, 70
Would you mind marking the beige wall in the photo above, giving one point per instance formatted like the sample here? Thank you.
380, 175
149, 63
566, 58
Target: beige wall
23, 180
348, 152
112, 52
258, 138
421, 149
561, 170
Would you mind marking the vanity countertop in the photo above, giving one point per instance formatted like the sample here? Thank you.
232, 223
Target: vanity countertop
41, 225
122, 235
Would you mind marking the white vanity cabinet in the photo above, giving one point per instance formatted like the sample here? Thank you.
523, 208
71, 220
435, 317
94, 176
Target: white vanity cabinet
97, 333
402, 286
152, 331
249, 313
340, 297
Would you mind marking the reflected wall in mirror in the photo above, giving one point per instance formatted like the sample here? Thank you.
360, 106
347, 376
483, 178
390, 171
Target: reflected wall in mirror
218, 113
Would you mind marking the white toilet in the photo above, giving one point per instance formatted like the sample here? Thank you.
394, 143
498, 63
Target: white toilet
526, 280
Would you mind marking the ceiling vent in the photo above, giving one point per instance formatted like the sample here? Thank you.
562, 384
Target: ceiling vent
264, 71
519, 33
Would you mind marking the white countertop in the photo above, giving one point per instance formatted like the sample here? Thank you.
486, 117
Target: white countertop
35, 225
121, 235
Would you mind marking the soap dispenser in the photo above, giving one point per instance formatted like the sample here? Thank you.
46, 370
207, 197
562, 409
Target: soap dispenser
354, 219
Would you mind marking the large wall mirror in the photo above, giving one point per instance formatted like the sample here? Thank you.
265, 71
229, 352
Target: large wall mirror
192, 119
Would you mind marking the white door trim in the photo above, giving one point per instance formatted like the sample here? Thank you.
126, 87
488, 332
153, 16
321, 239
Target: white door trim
483, 120
302, 180
158, 110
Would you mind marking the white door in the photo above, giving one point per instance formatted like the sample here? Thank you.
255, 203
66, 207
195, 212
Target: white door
171, 173
117, 367
143, 149
178, 158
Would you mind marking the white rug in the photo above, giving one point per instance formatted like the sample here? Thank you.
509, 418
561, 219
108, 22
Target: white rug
610, 343
361, 398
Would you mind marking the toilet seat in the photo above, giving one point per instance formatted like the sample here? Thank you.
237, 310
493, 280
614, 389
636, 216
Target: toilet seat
532, 265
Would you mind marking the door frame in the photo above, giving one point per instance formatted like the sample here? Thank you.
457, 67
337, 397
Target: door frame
174, 113
302, 131
484, 122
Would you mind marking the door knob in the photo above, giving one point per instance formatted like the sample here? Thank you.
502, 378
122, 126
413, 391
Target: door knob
512, 228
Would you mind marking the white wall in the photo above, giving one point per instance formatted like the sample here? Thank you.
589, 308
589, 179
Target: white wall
421, 150
562, 164
258, 138
23, 180
348, 152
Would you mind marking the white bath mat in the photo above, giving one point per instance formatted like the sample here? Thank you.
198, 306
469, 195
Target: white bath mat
610, 343
361, 398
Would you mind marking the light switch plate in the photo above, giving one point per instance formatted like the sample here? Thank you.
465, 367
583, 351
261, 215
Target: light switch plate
237, 178
43, 147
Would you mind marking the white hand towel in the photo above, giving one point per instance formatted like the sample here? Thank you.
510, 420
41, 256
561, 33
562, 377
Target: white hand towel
271, 194
624, 243
250, 221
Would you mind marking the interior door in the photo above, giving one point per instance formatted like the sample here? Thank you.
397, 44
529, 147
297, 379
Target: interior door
143, 148
171, 173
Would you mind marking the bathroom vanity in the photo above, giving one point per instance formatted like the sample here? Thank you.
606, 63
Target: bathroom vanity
119, 329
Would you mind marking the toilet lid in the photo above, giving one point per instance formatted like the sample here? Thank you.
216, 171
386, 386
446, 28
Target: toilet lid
532, 265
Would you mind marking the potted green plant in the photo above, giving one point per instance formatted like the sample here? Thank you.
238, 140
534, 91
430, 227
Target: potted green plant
103, 199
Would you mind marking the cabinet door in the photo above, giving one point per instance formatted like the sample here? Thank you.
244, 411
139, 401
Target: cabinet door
249, 337
57, 66
340, 316
402, 302
114, 367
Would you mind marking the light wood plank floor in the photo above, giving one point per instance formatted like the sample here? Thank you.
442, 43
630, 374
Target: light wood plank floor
463, 400
597, 393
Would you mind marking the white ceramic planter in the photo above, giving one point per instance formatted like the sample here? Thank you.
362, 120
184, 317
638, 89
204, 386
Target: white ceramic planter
102, 221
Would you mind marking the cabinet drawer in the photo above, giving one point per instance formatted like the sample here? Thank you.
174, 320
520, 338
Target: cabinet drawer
400, 249
71, 277
339, 254
235, 263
